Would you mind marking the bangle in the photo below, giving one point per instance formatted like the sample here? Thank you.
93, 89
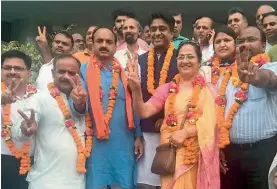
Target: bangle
139, 98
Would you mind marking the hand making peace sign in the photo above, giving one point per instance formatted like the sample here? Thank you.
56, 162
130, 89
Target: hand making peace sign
132, 76
8, 96
41, 38
247, 70
28, 125
78, 93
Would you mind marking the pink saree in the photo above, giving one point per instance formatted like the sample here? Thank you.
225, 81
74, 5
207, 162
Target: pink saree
206, 173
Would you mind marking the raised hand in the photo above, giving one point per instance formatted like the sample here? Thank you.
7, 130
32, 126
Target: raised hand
28, 125
132, 74
41, 38
8, 96
247, 70
211, 35
78, 93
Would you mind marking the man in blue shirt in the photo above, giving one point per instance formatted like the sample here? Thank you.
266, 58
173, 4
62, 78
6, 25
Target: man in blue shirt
253, 133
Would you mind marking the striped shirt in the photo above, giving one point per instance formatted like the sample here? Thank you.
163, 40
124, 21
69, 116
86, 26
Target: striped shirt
256, 118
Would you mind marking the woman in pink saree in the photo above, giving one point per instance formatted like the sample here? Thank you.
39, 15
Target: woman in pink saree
199, 134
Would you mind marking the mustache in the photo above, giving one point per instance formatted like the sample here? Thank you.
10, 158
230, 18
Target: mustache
103, 49
63, 80
13, 75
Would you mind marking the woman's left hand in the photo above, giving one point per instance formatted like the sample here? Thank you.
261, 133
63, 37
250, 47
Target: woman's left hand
178, 138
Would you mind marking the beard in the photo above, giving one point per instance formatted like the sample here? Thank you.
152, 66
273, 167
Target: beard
130, 39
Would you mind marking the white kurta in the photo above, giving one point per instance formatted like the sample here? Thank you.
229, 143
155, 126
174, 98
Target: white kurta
16, 120
55, 153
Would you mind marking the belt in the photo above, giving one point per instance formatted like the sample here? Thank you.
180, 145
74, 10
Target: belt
255, 144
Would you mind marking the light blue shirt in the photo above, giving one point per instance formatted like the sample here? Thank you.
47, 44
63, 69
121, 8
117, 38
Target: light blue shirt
256, 118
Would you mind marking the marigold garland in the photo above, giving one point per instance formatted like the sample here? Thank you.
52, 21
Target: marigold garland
240, 97
22, 154
113, 89
192, 115
83, 152
151, 68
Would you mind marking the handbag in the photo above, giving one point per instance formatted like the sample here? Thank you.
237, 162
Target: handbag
165, 158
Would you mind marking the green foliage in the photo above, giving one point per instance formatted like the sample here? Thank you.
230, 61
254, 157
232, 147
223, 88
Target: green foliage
28, 49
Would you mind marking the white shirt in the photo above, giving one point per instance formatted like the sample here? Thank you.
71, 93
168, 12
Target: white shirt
207, 53
267, 47
16, 120
121, 56
55, 153
44, 76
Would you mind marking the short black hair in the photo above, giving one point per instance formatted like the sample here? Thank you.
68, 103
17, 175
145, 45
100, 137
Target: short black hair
234, 10
93, 33
195, 46
123, 12
226, 30
63, 56
17, 54
274, 13
166, 17
67, 35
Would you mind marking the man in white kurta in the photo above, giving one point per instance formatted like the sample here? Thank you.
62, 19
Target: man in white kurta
55, 153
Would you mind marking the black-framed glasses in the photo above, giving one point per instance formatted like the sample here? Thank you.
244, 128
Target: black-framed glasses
15, 68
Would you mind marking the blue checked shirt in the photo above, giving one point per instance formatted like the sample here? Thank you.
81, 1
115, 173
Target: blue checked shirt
256, 118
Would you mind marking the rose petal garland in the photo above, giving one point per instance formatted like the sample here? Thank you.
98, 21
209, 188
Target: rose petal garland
192, 115
24, 153
83, 151
240, 97
151, 68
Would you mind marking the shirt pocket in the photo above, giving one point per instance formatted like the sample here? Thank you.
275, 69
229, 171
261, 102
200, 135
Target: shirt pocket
256, 94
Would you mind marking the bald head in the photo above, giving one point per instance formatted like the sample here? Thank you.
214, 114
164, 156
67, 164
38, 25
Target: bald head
104, 43
263, 9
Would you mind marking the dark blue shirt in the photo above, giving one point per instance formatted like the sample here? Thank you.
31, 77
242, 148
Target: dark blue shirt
148, 125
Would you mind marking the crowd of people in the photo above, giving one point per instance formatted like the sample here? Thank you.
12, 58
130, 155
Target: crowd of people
102, 104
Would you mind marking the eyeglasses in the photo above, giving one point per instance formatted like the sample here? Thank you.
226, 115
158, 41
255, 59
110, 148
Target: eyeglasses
251, 39
188, 57
62, 72
15, 68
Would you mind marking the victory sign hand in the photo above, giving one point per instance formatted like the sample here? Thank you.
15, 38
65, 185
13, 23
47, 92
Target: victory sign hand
28, 125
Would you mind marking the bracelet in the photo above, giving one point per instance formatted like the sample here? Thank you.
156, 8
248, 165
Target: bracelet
139, 98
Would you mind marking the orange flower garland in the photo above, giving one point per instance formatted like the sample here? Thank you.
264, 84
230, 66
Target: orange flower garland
6, 134
240, 96
151, 69
113, 89
192, 115
83, 152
